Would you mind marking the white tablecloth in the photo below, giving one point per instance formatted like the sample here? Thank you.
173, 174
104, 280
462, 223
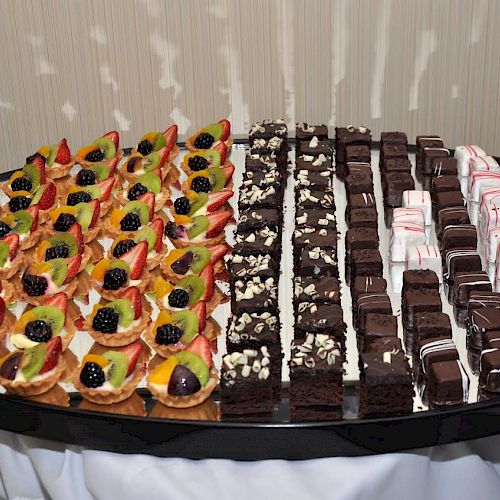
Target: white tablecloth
33, 468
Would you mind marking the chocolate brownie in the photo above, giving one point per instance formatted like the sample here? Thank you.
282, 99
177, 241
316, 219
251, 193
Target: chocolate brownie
393, 151
315, 147
376, 326
310, 217
258, 241
254, 295
366, 262
357, 152
311, 236
247, 266
462, 236
263, 179
320, 318
432, 324
317, 289
358, 184
371, 303
395, 183
313, 179
315, 197
444, 166
308, 162
315, 261
305, 132
420, 278
363, 200
251, 219
428, 157
357, 238
263, 147
367, 284
266, 129
257, 162
416, 300
383, 344
392, 165
354, 168
393, 138
448, 384
444, 183
253, 197
362, 217
253, 330
447, 199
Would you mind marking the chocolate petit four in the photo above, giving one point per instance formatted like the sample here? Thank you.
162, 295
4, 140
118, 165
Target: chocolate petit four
357, 152
420, 278
449, 217
444, 183
447, 384
315, 261
376, 326
393, 138
429, 156
385, 385
432, 324
363, 200
394, 185
459, 260
367, 284
444, 166
418, 300
447, 199
479, 322
371, 303
362, 217
366, 262
402, 236
489, 374
254, 295
391, 165
358, 183
320, 289
459, 236
305, 132
465, 282
384, 344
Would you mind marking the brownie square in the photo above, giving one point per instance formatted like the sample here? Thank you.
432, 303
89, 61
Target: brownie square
311, 236
444, 166
358, 184
394, 151
420, 278
444, 183
317, 289
367, 284
315, 198
357, 238
357, 152
489, 376
266, 129
355, 168
366, 262
314, 147
384, 344
448, 384
255, 197
263, 179
353, 135
392, 165
363, 201
254, 295
263, 147
245, 384
313, 179
319, 163
459, 236
451, 217
377, 326
395, 183
247, 266
320, 318
251, 219
371, 303
459, 260
465, 282
305, 132
257, 162
310, 217
447, 199
362, 217
253, 330
316, 261
416, 301
491, 340
432, 324
429, 155
385, 385
393, 138
258, 241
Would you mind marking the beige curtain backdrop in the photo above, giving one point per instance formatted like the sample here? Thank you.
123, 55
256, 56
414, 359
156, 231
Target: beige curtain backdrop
76, 68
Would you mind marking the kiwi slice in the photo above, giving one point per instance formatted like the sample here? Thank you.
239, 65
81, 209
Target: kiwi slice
85, 212
117, 371
187, 321
139, 208
52, 316
94, 191
58, 271
213, 156
22, 221
196, 364
120, 264
53, 153
151, 181
37, 195
34, 175
160, 142
33, 360
201, 201
100, 170
198, 226
201, 257
217, 178
151, 161
194, 286
146, 234
66, 240
4, 253
124, 310
107, 146
215, 130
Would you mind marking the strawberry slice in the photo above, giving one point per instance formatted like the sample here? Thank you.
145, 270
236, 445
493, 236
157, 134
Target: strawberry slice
133, 294
59, 300
228, 170
3, 310
106, 186
201, 346
217, 222
164, 158
63, 153
133, 352
97, 208
171, 136
48, 196
40, 165
207, 275
149, 199
136, 259
76, 231
217, 199
200, 309
158, 226
33, 211
222, 149
218, 251
80, 323
114, 136
74, 264
13, 241
112, 165
54, 349
226, 129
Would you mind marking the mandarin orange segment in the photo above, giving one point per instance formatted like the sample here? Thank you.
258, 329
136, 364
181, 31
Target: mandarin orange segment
54, 214
174, 255
94, 312
42, 248
162, 373
162, 287
100, 269
27, 317
83, 152
182, 219
22, 193
16, 175
94, 358
116, 216
191, 195
42, 267
163, 318
150, 136
202, 173
44, 151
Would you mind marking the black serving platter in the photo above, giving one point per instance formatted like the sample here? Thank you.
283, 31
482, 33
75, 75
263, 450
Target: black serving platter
196, 435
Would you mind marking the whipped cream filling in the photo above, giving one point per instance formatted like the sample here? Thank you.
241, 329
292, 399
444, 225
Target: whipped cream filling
21, 378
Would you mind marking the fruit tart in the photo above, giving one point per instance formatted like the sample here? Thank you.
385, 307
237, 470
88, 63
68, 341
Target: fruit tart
150, 182
152, 234
45, 197
7, 319
202, 159
112, 376
210, 180
100, 191
41, 324
187, 378
193, 203
200, 230
162, 143
121, 321
182, 262
11, 256
188, 291
84, 214
96, 173
211, 136
58, 159
105, 150
111, 276
24, 223
27, 180
173, 331
42, 280
34, 370
130, 218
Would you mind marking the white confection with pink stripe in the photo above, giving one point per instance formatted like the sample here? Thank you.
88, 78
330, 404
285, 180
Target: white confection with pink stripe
482, 164
419, 199
482, 181
402, 236
411, 215
497, 271
463, 154
425, 257
488, 220
491, 246
487, 196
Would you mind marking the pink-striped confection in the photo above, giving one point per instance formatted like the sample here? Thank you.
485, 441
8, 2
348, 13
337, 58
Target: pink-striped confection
482, 164
482, 181
424, 257
419, 199
402, 236
491, 246
411, 215
463, 154
488, 220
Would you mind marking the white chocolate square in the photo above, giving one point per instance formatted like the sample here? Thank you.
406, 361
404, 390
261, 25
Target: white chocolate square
488, 220
482, 181
424, 257
412, 215
463, 154
419, 199
491, 246
482, 164
402, 236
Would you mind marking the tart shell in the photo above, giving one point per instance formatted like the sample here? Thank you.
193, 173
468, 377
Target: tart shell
17, 263
211, 242
115, 294
85, 164
40, 300
60, 171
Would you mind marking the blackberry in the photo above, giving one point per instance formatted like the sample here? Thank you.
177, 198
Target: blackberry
136, 191
170, 230
21, 184
31, 158
168, 334
85, 177
5, 229
92, 375
145, 147
95, 156
105, 320
64, 222
131, 222
197, 163
33, 285
78, 197
201, 184
178, 298
123, 247
56, 252
38, 331
19, 203
182, 206
115, 278
204, 141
